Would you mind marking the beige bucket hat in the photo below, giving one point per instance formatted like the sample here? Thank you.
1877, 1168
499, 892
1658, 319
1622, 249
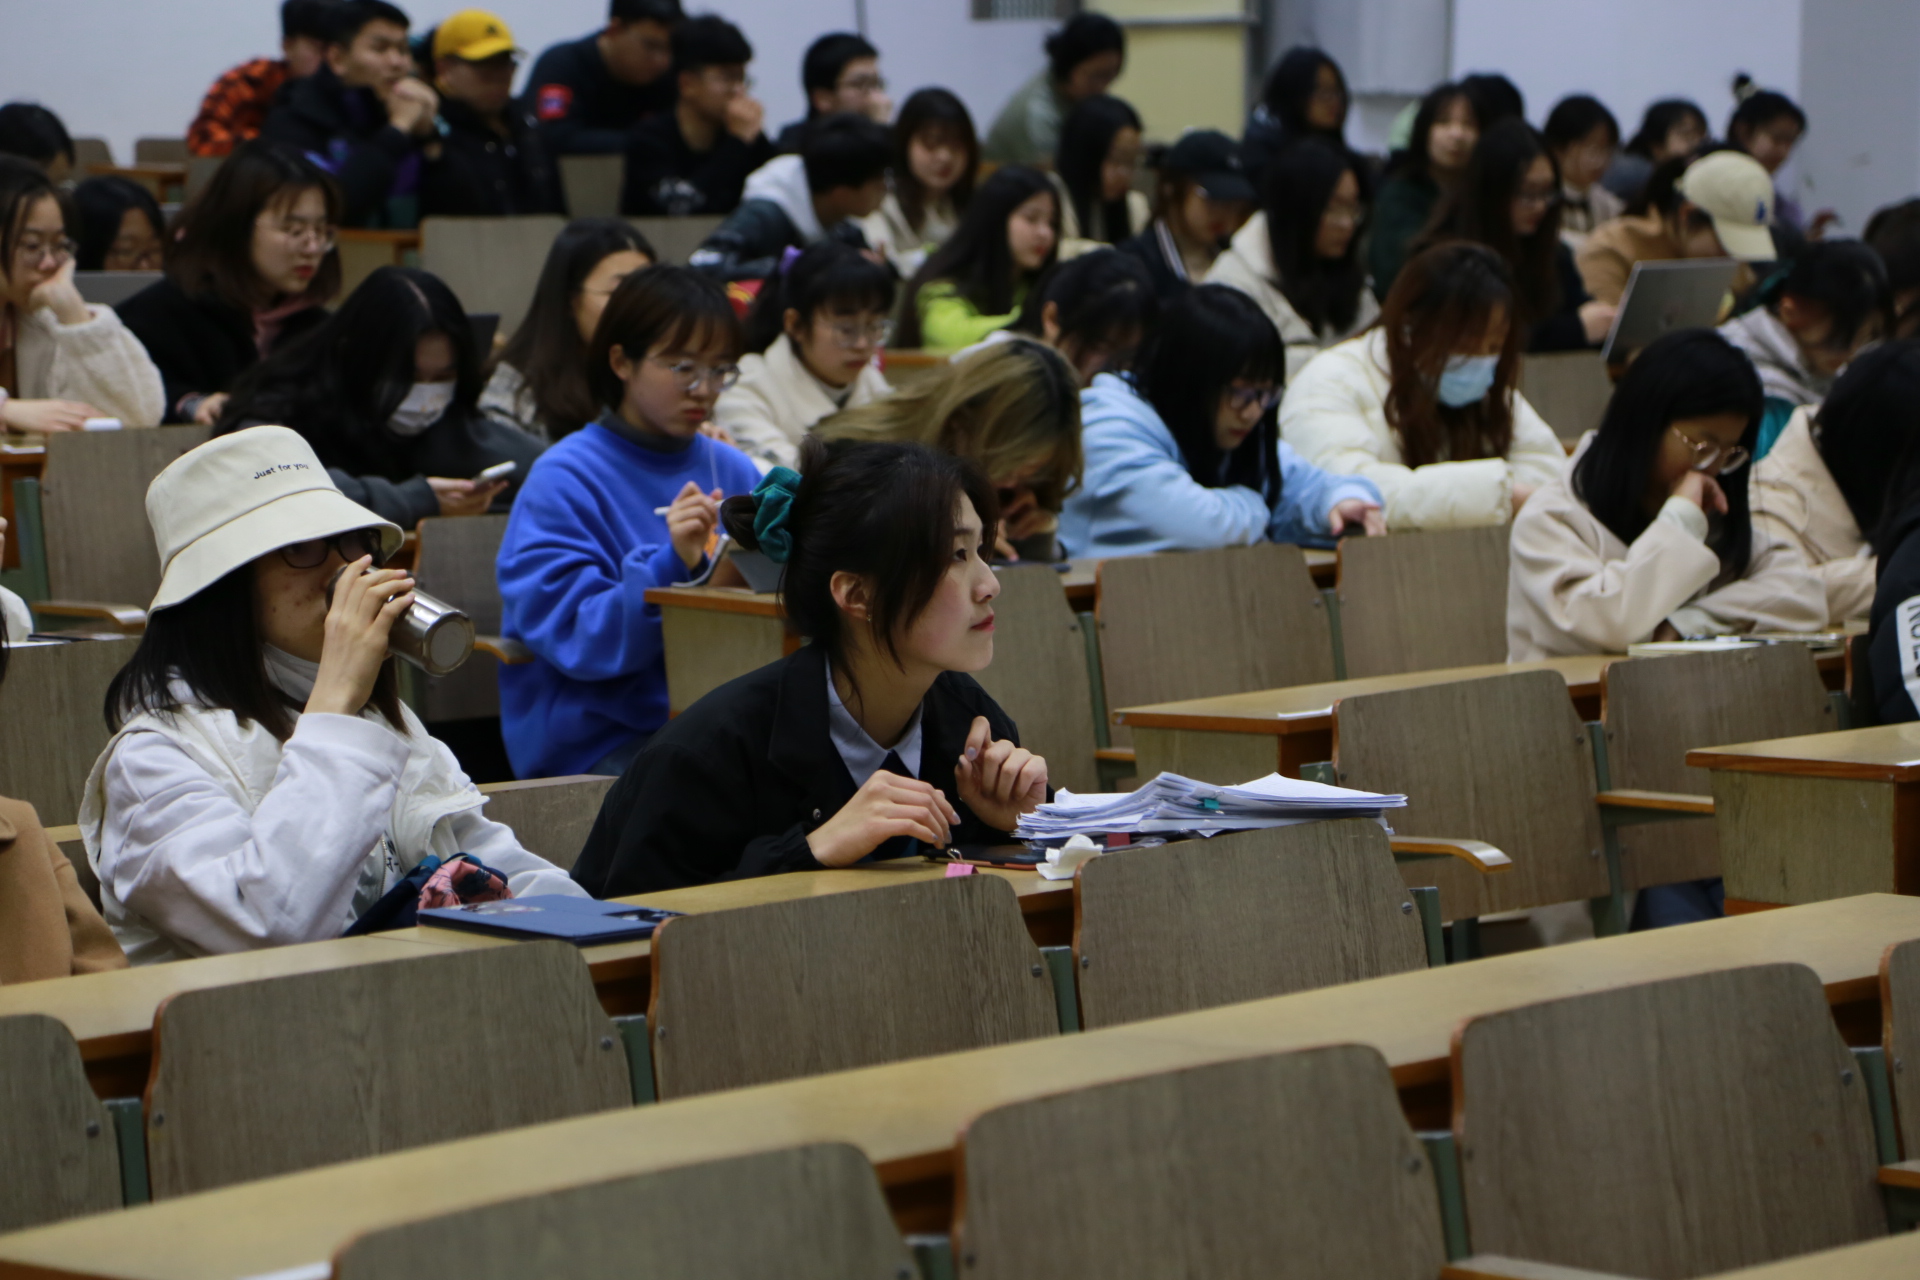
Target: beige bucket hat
237, 497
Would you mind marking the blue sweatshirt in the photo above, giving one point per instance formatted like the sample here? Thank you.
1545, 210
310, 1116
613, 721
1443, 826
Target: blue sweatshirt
1138, 497
581, 548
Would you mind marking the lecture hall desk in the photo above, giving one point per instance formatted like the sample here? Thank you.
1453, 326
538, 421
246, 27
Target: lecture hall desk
905, 1116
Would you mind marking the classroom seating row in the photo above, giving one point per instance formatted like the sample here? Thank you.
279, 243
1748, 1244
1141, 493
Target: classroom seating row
1642, 1106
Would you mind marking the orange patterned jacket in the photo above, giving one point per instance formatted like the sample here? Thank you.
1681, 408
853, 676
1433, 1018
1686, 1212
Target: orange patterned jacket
236, 107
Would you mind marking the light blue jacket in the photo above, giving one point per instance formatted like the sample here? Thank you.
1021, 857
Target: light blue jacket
1137, 496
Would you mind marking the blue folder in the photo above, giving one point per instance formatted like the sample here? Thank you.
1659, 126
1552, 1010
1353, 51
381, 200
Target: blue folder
581, 921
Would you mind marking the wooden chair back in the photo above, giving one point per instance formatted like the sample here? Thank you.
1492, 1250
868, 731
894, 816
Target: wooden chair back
111, 288
58, 1155
1239, 917
88, 152
51, 724
798, 988
591, 184
1293, 1163
200, 171
549, 816
1677, 1128
94, 511
1039, 673
159, 151
1900, 1036
1505, 760
372, 1059
1657, 709
801, 1213
455, 563
1424, 601
1570, 389
675, 239
491, 264
1200, 623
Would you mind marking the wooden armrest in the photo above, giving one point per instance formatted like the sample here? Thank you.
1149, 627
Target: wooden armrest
1491, 1266
511, 652
1478, 854
124, 617
1665, 801
1905, 1175
1122, 754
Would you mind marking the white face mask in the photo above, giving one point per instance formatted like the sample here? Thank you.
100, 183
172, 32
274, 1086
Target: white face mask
422, 408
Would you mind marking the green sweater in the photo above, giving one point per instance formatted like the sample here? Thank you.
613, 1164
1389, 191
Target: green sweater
1399, 212
1027, 130
949, 322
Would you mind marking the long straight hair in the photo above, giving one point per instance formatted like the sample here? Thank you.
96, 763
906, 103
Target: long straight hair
1290, 88
1208, 337
1300, 184
1086, 135
1444, 298
1867, 424
1690, 373
940, 112
977, 260
1480, 209
1413, 160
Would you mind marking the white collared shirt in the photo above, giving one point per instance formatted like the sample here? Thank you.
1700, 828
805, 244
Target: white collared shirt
859, 752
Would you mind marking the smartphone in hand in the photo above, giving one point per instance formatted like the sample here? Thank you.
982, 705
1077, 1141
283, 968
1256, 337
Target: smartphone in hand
498, 471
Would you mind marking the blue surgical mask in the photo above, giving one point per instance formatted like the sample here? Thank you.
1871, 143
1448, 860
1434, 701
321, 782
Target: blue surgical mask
1467, 380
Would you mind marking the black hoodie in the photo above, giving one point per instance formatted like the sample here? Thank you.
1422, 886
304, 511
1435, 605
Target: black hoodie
1893, 644
345, 131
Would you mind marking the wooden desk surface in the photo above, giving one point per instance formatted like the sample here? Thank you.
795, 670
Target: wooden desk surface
905, 1116
1885, 753
1308, 708
1891, 1258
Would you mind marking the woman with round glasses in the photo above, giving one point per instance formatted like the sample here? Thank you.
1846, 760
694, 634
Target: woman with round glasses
62, 360
812, 339
1183, 454
628, 502
253, 268
1647, 534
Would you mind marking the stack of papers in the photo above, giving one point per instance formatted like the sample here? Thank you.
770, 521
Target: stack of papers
1171, 803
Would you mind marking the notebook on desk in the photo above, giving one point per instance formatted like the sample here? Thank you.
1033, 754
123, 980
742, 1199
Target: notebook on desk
581, 921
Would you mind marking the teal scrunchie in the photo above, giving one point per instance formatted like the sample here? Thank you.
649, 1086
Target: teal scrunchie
775, 496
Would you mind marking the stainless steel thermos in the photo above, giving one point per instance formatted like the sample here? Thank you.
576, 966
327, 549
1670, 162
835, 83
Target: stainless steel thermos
432, 634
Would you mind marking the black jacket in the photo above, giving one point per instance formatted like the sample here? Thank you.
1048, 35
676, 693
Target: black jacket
748, 245
731, 786
1893, 643
200, 345
1562, 331
1168, 283
580, 108
345, 131
482, 174
667, 178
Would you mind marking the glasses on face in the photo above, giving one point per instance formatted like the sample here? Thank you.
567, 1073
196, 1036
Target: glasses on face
852, 335
1537, 197
864, 84
351, 545
139, 255
1712, 458
33, 250
300, 233
1244, 398
691, 377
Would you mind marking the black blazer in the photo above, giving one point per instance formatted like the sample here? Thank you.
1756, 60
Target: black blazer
731, 786
200, 345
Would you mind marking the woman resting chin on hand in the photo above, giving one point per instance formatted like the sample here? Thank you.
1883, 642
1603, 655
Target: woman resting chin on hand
865, 744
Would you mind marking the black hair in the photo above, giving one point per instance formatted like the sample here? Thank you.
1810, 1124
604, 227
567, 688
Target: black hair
827, 275
1758, 108
1100, 299
1844, 276
1866, 426
1290, 87
826, 58
22, 185
350, 17
29, 130
1573, 118
99, 204
976, 257
929, 109
1084, 36
1208, 337
1894, 233
1414, 160
1658, 121
1662, 193
338, 384
547, 349
211, 644
1495, 98
844, 150
674, 307
882, 510
212, 251
1479, 208
709, 41
310, 18
667, 13
1086, 135
1689, 373
1299, 184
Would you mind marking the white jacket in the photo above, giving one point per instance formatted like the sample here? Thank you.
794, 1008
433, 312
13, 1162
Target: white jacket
210, 837
1335, 415
1247, 265
777, 401
890, 235
1574, 587
99, 363
1796, 501
19, 617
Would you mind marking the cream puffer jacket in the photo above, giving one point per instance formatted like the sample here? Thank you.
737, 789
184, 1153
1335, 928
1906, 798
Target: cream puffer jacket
99, 363
1795, 500
777, 401
1247, 265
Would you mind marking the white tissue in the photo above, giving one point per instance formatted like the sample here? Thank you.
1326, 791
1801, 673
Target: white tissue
1061, 863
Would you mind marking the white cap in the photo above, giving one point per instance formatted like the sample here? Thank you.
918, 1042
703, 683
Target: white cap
1734, 190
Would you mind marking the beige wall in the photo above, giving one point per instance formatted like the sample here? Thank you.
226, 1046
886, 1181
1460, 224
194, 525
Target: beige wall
1182, 77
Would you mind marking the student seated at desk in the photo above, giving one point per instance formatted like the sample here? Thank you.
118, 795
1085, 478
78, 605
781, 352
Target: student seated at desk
253, 266
812, 338
387, 392
62, 359
936, 155
976, 281
237, 103
1646, 533
1183, 455
1893, 646
1893, 232
1445, 129
839, 72
1202, 196
696, 157
1718, 206
120, 224
1671, 128
588, 93
33, 133
1093, 173
625, 503
1822, 489
1095, 310
265, 785
871, 741
1425, 404
1084, 57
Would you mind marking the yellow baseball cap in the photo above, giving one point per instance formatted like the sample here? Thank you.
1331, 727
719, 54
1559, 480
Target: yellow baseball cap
1734, 190
472, 35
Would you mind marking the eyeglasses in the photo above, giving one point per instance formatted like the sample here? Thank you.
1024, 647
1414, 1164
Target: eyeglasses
692, 377
851, 335
1706, 454
1244, 398
351, 545
36, 249
320, 235
1543, 197
864, 84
